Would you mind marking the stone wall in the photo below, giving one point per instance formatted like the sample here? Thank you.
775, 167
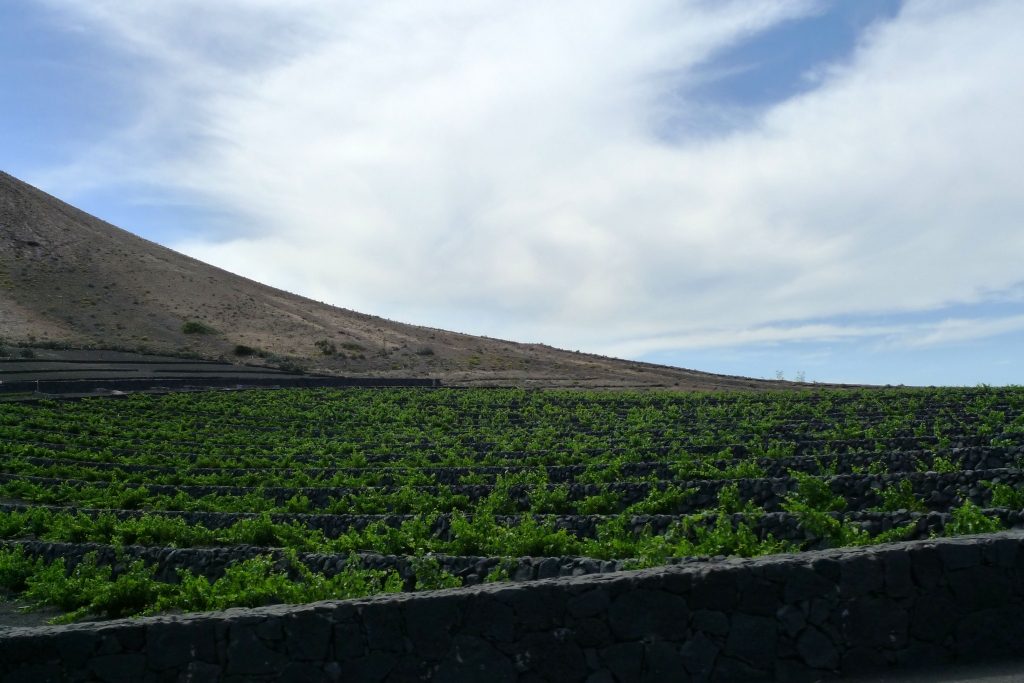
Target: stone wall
790, 617
199, 381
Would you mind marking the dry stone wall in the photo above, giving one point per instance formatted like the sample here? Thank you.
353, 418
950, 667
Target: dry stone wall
202, 381
802, 617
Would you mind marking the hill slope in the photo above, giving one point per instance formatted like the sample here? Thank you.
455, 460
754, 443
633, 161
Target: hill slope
66, 276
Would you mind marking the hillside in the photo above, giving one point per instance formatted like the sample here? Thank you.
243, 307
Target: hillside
70, 278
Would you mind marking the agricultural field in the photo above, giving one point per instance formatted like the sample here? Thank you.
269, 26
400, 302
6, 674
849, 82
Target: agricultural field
188, 502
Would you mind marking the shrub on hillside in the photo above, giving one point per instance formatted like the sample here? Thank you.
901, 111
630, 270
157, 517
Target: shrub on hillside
326, 347
52, 344
196, 327
291, 365
244, 350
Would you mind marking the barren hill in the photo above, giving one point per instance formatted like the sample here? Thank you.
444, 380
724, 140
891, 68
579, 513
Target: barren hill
68, 278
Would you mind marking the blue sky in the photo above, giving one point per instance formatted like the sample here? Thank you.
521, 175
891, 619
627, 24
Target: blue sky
826, 187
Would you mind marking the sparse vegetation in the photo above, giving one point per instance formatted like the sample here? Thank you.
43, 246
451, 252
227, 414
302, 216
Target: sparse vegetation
104, 288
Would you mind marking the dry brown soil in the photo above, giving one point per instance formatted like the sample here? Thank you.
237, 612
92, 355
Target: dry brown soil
66, 276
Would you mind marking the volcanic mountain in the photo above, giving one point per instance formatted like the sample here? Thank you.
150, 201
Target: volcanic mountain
71, 280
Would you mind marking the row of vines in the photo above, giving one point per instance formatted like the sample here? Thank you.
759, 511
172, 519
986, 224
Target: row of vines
423, 474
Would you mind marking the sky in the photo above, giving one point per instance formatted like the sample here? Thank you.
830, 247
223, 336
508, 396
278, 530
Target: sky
826, 189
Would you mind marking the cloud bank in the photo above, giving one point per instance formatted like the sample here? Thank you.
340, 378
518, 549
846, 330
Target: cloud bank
525, 170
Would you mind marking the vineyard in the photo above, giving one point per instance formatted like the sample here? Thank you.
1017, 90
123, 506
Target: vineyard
188, 502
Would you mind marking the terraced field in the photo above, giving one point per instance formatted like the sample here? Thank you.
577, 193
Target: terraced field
189, 502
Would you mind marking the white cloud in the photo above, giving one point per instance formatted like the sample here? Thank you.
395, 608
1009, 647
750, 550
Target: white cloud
493, 167
879, 336
955, 330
